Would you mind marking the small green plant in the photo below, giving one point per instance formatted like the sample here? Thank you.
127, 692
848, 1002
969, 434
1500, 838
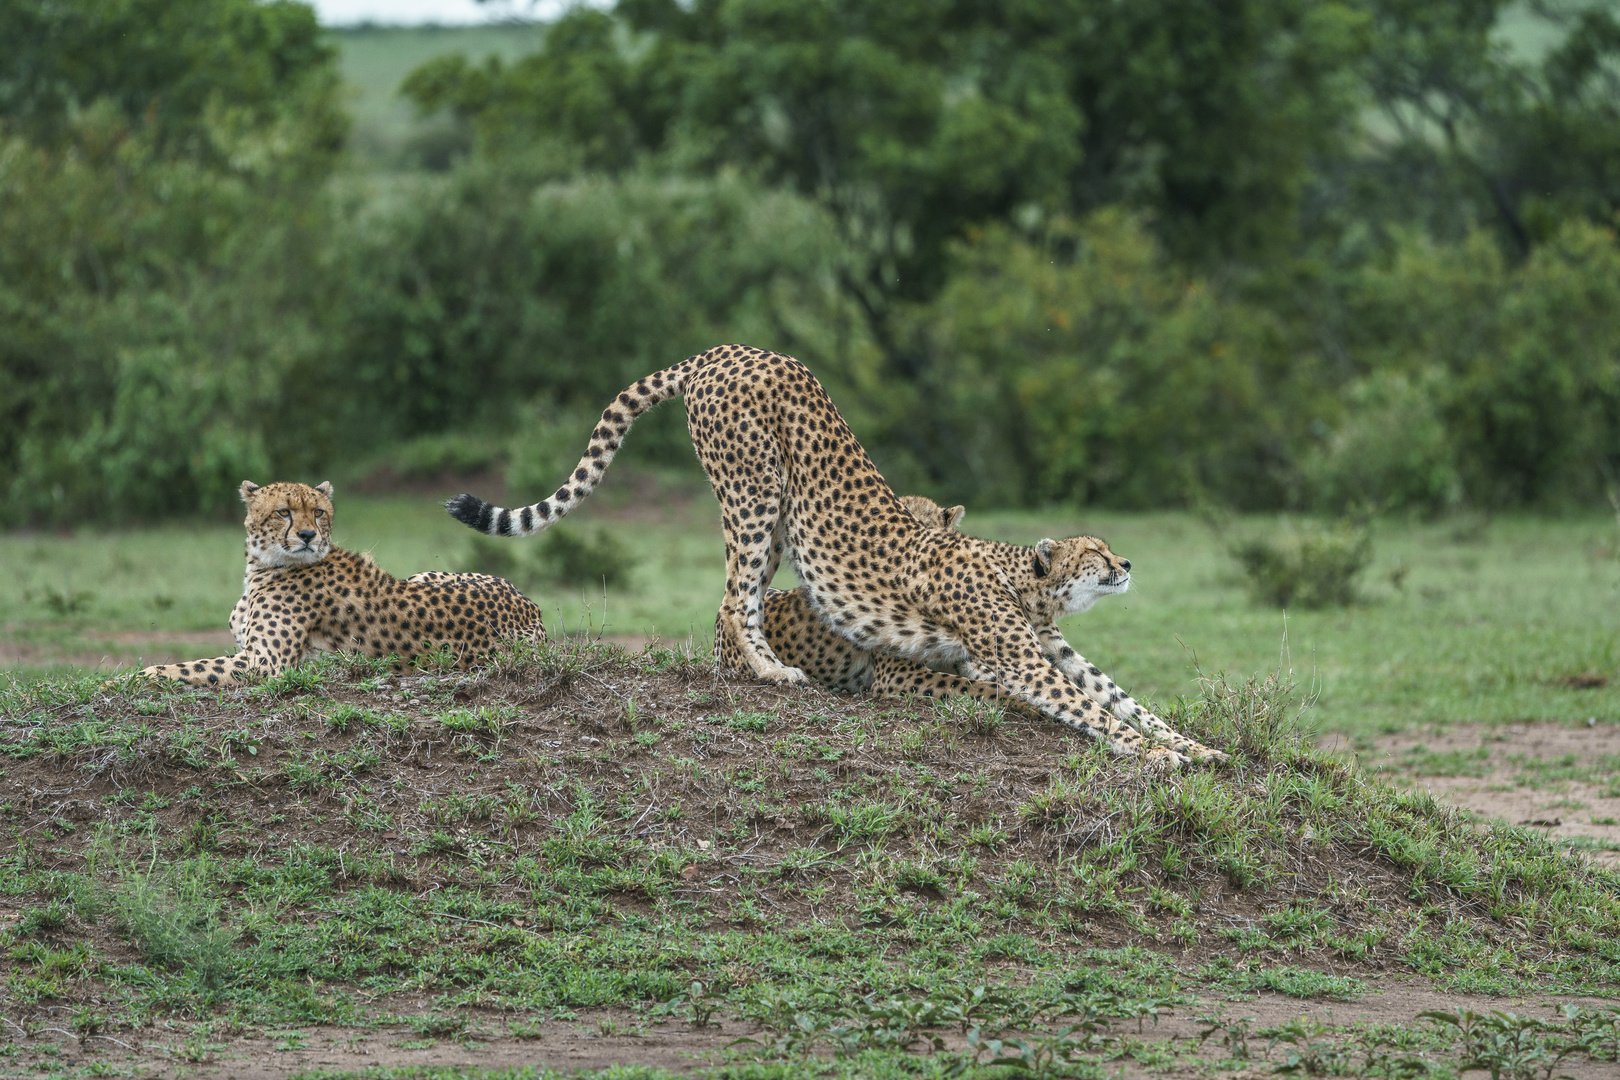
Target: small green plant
602, 561
1314, 567
66, 601
863, 821
699, 1005
983, 718
174, 919
439, 1025
1230, 1033
344, 716
742, 720
484, 720
1510, 1046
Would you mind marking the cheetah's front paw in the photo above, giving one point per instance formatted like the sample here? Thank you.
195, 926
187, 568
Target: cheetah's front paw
786, 676
1164, 758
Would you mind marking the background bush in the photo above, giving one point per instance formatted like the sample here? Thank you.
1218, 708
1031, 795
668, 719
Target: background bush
1285, 286
562, 554
1313, 566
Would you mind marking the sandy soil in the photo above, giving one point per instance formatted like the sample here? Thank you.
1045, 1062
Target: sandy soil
598, 1038
1565, 808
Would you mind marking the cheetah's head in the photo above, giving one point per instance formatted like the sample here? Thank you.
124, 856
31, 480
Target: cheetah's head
288, 524
930, 513
1073, 574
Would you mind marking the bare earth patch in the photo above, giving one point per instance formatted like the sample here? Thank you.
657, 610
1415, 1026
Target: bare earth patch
601, 1038
1550, 776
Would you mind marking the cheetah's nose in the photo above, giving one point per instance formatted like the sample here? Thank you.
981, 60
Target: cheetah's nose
306, 535
1124, 564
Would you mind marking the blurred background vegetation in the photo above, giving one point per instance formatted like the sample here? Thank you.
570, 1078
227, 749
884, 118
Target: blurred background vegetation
1264, 254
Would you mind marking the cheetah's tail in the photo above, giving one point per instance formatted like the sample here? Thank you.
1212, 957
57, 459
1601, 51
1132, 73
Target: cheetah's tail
609, 435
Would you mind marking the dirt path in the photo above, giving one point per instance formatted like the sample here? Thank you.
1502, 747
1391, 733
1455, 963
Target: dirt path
1561, 779
599, 1038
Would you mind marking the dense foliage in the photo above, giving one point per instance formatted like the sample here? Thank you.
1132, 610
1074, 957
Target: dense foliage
161, 171
1272, 253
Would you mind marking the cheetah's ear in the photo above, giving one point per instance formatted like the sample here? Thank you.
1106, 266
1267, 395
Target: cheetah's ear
1043, 557
953, 516
248, 488
325, 488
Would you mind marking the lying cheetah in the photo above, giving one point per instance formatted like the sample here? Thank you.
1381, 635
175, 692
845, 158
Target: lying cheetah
800, 639
791, 479
302, 595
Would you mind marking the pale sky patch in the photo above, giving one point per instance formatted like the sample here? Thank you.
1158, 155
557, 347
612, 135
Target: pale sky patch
442, 12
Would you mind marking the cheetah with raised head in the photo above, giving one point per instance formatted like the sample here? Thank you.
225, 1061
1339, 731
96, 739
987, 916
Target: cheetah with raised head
792, 479
799, 638
301, 595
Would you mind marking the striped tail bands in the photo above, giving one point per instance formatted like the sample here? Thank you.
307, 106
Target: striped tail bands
609, 435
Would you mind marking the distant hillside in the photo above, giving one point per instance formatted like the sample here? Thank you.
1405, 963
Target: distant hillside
375, 59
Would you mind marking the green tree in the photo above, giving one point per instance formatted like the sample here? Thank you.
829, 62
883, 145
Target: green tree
162, 215
912, 120
1475, 131
163, 64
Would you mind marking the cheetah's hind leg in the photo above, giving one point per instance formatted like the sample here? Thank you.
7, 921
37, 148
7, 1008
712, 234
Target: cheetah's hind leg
751, 534
895, 676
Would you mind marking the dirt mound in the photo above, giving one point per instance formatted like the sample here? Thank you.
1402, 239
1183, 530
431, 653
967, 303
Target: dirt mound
575, 828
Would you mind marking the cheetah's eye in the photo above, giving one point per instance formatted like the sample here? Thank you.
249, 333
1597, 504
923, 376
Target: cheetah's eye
318, 512
286, 514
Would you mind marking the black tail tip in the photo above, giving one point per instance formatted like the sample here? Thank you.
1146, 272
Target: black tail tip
469, 510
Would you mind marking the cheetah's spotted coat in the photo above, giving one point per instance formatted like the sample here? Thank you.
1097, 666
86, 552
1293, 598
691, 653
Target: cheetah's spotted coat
791, 479
799, 637
302, 595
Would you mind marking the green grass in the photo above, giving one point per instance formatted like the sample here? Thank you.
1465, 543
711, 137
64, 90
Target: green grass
503, 848
1486, 619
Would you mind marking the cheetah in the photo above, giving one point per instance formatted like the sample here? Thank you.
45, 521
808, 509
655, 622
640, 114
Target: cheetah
798, 637
301, 595
792, 480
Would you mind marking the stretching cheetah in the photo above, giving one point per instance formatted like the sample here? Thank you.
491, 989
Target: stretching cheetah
302, 595
792, 479
798, 636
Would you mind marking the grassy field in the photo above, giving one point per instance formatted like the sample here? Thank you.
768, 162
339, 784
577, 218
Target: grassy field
1461, 620
582, 858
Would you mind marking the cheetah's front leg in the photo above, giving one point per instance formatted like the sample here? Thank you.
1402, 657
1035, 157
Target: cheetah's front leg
1003, 648
262, 655
751, 521
1101, 689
